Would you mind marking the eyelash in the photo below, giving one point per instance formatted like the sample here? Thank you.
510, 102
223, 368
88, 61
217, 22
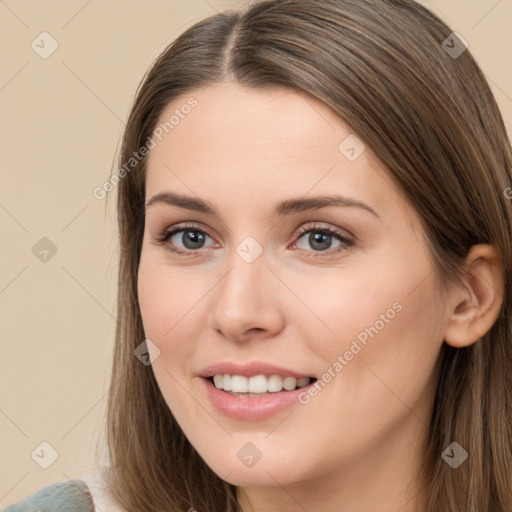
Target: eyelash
165, 235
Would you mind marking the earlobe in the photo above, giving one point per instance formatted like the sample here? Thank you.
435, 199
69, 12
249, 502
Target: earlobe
475, 303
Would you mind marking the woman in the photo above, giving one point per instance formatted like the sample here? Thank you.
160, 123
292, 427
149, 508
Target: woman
315, 267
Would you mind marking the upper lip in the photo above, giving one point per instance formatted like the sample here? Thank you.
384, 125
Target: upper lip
249, 370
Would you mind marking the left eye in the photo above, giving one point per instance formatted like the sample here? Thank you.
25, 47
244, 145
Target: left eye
321, 239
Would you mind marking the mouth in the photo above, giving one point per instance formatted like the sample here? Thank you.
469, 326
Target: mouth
256, 397
255, 390
258, 385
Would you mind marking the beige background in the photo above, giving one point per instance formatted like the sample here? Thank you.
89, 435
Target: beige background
60, 122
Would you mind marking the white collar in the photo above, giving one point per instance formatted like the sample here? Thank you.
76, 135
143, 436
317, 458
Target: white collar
103, 500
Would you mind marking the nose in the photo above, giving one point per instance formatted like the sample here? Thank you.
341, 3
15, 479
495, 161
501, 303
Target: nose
246, 302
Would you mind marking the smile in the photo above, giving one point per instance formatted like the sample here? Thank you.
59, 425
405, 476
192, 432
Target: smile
257, 385
254, 406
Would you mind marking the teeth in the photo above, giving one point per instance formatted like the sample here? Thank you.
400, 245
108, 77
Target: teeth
290, 383
239, 384
274, 383
258, 384
304, 381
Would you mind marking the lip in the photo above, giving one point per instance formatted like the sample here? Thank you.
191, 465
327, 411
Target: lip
250, 370
251, 408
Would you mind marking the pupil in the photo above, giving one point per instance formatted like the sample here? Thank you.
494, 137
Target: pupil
319, 238
193, 238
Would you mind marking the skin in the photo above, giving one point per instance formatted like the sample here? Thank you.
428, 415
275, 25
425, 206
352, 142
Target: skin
357, 445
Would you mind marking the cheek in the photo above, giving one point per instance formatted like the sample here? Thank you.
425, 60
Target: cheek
170, 305
383, 354
168, 300
384, 322
378, 365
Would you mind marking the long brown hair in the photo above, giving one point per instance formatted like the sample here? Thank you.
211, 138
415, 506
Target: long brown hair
429, 115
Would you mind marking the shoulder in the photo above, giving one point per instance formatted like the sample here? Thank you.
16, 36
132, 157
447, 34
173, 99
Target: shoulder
87, 494
70, 496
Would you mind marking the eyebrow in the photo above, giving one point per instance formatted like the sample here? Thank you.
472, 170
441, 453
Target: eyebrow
287, 207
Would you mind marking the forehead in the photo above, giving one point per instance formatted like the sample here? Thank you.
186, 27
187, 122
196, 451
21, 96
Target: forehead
233, 117
254, 146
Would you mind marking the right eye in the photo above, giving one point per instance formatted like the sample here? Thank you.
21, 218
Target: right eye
190, 236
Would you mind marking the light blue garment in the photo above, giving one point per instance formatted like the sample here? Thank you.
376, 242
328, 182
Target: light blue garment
71, 496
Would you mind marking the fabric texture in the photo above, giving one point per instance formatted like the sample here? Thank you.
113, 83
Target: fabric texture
71, 496
89, 493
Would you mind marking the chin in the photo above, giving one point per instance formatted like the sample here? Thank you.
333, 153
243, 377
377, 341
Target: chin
236, 466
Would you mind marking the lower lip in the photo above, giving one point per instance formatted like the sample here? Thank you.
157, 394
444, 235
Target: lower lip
252, 408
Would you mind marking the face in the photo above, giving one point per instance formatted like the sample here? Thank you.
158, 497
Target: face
249, 277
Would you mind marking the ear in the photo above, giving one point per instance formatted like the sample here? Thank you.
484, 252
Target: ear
475, 303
